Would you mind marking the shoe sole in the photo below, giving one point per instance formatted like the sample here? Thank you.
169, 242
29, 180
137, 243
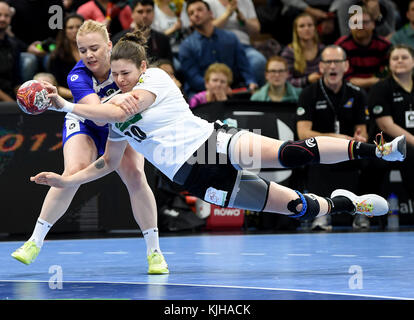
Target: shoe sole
354, 198
22, 260
159, 271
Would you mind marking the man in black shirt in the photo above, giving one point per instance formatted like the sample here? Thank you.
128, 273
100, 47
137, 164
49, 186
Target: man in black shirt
332, 107
158, 43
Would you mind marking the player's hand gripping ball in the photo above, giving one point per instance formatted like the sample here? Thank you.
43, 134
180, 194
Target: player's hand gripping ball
32, 97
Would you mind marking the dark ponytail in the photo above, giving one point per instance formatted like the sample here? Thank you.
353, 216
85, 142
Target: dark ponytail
132, 46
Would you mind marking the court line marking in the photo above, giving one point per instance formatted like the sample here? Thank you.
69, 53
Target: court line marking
344, 255
395, 257
70, 252
219, 286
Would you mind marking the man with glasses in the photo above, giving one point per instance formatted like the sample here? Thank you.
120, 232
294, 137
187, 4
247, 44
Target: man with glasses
337, 108
367, 52
277, 88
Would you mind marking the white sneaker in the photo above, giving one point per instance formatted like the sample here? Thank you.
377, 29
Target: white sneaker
367, 204
395, 150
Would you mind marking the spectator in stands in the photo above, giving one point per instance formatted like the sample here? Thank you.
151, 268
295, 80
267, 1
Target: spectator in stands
239, 16
218, 79
10, 48
168, 67
116, 16
209, 44
381, 11
336, 108
367, 52
64, 58
32, 24
391, 104
277, 88
172, 20
405, 35
303, 54
158, 45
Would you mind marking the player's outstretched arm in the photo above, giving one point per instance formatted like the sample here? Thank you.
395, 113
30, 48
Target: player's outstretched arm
104, 165
117, 109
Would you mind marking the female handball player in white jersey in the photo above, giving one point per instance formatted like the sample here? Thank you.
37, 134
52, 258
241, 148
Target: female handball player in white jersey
212, 161
84, 140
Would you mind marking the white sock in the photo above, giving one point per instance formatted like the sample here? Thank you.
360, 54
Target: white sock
40, 231
152, 240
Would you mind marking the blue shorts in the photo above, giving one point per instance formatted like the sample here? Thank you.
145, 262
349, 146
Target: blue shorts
99, 134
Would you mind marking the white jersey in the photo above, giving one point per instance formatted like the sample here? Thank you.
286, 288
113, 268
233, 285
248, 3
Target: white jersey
167, 133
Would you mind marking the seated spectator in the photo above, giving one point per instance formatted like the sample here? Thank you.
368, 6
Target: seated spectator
64, 58
168, 67
158, 45
367, 52
405, 35
117, 17
218, 79
239, 16
31, 24
171, 19
277, 88
209, 44
303, 54
381, 11
10, 48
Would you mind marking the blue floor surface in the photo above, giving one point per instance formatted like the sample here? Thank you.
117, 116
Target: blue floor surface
316, 266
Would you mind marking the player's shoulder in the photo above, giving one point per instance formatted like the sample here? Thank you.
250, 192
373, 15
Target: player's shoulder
79, 73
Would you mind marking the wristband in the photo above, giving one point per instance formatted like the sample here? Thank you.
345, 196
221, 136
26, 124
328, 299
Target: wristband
68, 107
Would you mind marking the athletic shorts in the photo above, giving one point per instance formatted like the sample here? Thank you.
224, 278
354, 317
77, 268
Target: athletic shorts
99, 134
212, 176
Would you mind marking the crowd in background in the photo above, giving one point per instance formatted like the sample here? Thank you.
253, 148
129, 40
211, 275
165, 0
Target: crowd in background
271, 50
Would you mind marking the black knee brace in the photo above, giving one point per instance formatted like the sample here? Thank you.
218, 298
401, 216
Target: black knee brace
299, 153
310, 207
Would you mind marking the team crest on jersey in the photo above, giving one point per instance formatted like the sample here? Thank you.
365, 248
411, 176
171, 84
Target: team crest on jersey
74, 77
349, 103
300, 111
377, 109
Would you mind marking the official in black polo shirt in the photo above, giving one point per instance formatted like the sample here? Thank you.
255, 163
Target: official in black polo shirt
333, 107
391, 104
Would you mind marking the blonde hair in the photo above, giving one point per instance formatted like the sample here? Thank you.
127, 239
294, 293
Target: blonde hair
91, 26
42, 75
219, 68
300, 61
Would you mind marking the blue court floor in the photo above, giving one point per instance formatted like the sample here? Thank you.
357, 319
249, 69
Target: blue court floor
316, 266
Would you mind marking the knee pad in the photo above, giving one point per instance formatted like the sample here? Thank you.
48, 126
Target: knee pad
250, 192
299, 153
310, 207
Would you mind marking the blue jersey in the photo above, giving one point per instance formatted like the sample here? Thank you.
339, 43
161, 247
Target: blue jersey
81, 83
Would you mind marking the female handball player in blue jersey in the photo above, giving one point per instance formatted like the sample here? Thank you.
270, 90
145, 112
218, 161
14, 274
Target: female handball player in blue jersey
158, 123
84, 140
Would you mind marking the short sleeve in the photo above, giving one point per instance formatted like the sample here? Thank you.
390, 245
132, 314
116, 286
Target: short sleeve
379, 100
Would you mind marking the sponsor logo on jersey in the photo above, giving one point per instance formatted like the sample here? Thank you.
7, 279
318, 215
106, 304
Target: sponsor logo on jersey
74, 77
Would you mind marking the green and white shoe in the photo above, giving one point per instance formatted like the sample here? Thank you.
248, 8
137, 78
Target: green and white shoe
157, 264
27, 253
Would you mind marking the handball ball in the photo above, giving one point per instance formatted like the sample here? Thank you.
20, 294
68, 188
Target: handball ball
32, 97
